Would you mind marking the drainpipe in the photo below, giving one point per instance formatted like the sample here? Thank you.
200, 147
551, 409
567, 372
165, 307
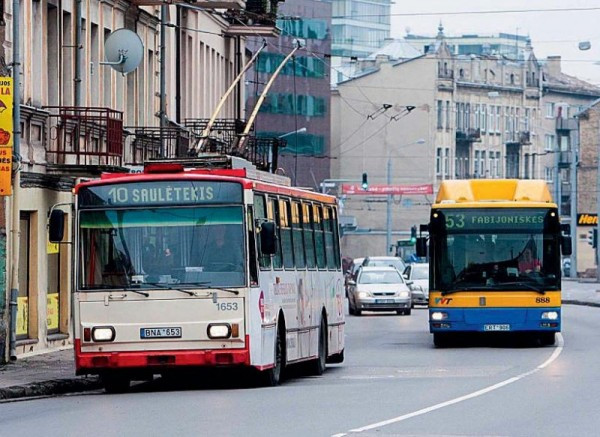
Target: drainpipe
78, 53
163, 69
15, 212
178, 66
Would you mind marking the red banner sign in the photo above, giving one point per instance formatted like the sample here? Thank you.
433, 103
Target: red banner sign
410, 190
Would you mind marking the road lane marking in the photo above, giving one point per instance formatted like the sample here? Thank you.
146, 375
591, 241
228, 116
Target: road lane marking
554, 356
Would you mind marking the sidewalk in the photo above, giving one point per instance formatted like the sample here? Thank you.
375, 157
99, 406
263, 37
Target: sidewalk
43, 375
54, 373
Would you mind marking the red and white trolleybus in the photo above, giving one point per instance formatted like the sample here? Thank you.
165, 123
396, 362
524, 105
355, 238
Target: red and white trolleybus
177, 268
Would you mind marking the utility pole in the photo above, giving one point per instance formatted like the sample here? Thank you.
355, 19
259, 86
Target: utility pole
163, 78
574, 146
388, 225
597, 115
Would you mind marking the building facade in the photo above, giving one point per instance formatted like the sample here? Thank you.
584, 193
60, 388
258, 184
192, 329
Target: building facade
297, 107
480, 116
80, 118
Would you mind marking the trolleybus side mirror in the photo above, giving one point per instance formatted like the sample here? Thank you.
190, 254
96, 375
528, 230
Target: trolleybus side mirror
421, 247
268, 238
56, 226
566, 245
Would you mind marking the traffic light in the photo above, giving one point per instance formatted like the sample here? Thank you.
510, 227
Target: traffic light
365, 182
593, 237
413, 234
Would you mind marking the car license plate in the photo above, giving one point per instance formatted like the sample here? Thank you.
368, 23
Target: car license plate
496, 327
160, 333
384, 300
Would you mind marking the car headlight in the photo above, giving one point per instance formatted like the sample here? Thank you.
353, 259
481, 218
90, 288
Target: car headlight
403, 294
362, 294
438, 315
550, 315
103, 333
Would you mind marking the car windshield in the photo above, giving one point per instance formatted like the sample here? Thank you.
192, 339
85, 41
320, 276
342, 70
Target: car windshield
142, 247
389, 262
419, 271
380, 277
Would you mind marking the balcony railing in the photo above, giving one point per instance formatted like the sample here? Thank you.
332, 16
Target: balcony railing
151, 142
222, 136
85, 136
447, 74
518, 137
532, 83
468, 134
566, 123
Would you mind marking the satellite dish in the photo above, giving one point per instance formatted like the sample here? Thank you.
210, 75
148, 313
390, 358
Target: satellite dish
585, 45
123, 50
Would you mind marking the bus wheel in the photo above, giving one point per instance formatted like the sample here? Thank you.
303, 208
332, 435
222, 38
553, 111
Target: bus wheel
441, 339
114, 383
547, 338
318, 365
273, 376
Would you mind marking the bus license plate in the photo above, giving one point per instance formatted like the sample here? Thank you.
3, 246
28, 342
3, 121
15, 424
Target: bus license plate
160, 333
384, 300
496, 327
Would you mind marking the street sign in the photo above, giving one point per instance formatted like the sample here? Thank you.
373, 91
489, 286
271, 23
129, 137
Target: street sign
379, 189
405, 243
6, 135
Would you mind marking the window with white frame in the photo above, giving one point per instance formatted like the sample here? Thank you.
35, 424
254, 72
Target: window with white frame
482, 163
447, 163
476, 125
549, 143
498, 165
491, 169
447, 114
439, 115
476, 164
549, 110
438, 162
498, 118
467, 116
483, 118
527, 120
491, 116
548, 174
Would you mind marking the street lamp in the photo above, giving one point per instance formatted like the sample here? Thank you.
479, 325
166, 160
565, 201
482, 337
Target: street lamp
299, 131
388, 233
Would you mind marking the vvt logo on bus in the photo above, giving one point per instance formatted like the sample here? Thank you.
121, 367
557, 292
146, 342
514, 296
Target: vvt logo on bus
443, 300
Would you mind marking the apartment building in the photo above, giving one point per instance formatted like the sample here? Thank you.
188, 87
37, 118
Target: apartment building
80, 117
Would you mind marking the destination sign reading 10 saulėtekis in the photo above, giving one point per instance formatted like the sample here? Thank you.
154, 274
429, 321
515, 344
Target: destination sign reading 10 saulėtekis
467, 220
160, 193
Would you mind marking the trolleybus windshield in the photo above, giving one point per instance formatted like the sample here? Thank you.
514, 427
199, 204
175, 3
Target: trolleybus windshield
158, 234
495, 249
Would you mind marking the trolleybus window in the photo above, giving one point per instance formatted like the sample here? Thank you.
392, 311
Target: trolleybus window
273, 214
329, 245
503, 249
309, 239
285, 231
261, 215
319, 241
298, 238
156, 246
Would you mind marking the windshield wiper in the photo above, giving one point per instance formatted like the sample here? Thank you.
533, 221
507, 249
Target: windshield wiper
110, 287
167, 287
206, 284
524, 285
198, 284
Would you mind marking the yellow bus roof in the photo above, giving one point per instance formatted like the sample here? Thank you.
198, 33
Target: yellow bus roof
493, 193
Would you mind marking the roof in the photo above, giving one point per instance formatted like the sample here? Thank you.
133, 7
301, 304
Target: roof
562, 82
397, 49
486, 192
588, 107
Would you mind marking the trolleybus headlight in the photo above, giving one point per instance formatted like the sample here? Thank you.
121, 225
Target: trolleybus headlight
439, 315
103, 333
362, 294
219, 330
550, 315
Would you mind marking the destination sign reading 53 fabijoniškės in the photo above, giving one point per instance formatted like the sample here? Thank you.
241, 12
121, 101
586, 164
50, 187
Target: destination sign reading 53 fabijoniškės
475, 219
160, 193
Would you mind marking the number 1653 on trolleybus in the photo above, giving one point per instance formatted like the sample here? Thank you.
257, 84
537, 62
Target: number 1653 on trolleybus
178, 268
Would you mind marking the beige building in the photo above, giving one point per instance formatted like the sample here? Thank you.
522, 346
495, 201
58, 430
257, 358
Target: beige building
114, 124
480, 116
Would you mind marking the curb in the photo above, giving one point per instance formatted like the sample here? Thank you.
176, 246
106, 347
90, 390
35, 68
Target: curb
49, 388
581, 302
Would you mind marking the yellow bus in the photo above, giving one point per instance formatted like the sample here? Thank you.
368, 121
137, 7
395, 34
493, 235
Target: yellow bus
494, 259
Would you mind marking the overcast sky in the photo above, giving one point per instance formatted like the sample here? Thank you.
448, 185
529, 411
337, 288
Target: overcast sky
552, 33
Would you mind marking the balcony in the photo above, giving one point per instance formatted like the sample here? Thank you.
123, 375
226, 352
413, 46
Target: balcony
565, 158
446, 74
205, 4
532, 83
258, 18
86, 137
470, 135
518, 137
147, 143
566, 123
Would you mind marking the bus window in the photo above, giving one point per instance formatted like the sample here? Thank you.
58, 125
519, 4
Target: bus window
319, 242
260, 210
298, 237
285, 231
309, 240
336, 239
252, 247
329, 247
273, 214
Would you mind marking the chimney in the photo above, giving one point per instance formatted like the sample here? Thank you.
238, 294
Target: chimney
553, 65
381, 59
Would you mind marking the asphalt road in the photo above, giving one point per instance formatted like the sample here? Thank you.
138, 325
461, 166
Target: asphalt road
393, 383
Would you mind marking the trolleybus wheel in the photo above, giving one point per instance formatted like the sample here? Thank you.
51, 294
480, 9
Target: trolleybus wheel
547, 338
441, 339
273, 376
115, 383
318, 365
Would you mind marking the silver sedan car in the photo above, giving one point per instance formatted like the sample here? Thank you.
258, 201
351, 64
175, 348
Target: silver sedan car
379, 289
417, 278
